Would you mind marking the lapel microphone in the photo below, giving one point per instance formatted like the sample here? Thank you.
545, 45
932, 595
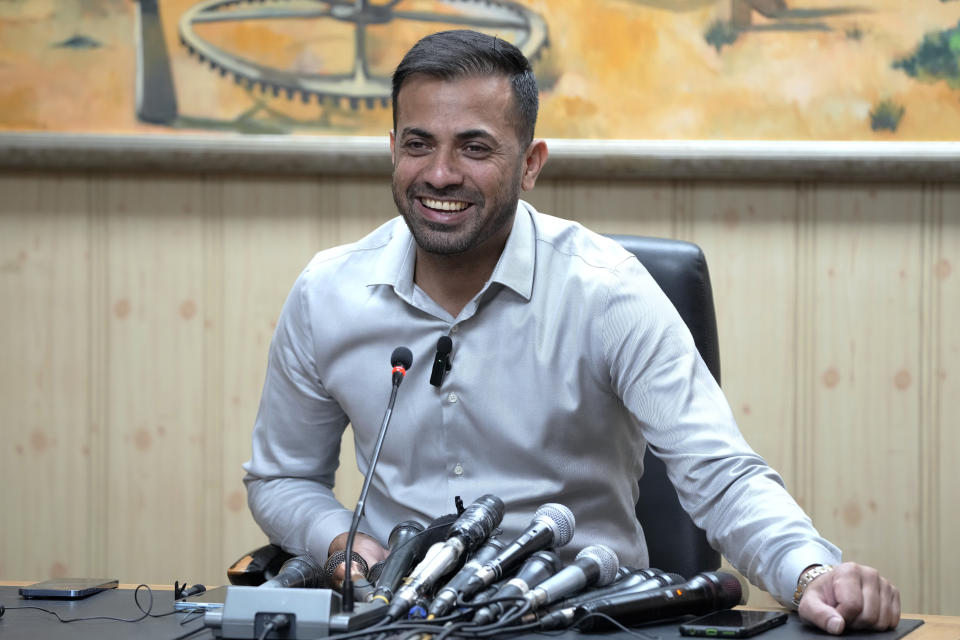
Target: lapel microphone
441, 361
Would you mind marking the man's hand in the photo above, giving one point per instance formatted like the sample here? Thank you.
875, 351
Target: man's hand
852, 596
368, 548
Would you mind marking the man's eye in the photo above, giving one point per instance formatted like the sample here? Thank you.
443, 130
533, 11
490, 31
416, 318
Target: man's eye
415, 145
476, 149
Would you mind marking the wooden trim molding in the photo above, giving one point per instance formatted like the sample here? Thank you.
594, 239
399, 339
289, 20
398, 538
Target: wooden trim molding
590, 159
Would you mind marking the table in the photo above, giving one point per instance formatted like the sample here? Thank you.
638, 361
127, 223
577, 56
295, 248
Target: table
29, 624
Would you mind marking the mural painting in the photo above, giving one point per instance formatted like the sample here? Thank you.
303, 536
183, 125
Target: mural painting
608, 69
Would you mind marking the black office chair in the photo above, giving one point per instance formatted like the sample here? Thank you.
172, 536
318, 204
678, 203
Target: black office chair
675, 543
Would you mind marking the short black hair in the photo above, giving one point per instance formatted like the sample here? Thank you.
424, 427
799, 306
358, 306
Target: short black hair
448, 55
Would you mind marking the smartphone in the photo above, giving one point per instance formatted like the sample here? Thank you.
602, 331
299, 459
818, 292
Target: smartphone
733, 623
67, 588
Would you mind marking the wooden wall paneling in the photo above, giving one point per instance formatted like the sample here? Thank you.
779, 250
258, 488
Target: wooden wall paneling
866, 400
941, 445
44, 389
615, 206
749, 236
158, 444
216, 434
272, 228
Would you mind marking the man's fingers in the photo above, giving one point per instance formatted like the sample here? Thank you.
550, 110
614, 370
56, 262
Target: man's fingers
815, 609
851, 597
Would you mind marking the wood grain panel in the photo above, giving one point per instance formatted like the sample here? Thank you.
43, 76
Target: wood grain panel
44, 387
158, 443
610, 206
748, 234
941, 446
867, 364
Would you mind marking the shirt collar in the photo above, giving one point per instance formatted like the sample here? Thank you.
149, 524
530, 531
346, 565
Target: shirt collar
394, 266
514, 269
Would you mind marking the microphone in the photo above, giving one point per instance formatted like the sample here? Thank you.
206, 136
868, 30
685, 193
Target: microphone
535, 570
594, 565
301, 571
552, 526
446, 598
563, 613
441, 361
703, 593
406, 555
473, 526
402, 534
641, 580
401, 359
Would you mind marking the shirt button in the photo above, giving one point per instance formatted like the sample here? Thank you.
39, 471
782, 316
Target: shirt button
454, 328
451, 397
458, 469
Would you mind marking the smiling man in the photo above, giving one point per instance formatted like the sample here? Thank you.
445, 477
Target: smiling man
568, 361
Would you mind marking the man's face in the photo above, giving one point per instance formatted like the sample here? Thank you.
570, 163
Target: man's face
457, 163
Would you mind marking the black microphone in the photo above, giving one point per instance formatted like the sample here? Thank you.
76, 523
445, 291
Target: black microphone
703, 593
641, 580
401, 359
301, 571
552, 526
563, 614
441, 361
594, 565
535, 570
473, 526
408, 554
402, 534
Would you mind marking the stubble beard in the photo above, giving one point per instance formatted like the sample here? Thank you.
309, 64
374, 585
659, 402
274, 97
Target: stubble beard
441, 239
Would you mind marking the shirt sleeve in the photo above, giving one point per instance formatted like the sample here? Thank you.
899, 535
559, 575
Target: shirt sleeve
726, 487
296, 441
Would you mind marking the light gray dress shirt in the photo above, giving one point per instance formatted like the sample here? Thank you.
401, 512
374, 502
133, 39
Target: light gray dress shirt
565, 366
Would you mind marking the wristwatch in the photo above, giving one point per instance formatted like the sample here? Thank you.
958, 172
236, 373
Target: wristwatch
807, 577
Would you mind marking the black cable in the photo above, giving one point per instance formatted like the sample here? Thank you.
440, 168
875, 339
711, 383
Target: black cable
190, 633
277, 622
146, 613
617, 624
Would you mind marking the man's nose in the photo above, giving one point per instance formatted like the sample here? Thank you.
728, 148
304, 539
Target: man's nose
444, 170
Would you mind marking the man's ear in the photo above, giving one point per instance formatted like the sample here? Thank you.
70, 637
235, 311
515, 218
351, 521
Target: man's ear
393, 144
533, 160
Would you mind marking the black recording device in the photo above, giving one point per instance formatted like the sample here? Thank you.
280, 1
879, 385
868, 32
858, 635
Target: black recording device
441, 361
733, 623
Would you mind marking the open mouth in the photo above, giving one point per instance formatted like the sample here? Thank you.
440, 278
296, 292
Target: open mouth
444, 206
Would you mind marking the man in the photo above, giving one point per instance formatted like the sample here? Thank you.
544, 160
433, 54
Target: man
567, 362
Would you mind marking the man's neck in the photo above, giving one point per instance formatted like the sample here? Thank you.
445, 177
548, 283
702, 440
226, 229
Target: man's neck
452, 281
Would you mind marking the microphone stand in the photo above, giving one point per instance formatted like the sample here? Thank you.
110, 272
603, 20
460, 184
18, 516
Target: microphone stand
399, 371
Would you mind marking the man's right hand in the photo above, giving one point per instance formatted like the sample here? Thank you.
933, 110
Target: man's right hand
368, 548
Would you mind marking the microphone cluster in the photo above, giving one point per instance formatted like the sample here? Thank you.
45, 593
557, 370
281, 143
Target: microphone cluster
459, 578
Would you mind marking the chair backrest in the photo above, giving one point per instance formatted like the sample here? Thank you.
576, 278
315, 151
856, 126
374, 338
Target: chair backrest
675, 543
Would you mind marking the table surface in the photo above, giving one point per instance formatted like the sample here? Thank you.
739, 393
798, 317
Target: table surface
33, 624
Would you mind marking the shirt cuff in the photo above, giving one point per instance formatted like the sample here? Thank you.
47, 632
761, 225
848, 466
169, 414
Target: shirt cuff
324, 531
793, 564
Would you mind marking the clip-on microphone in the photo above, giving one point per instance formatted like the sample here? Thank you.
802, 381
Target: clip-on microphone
441, 362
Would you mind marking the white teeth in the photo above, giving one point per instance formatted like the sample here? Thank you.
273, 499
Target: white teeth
444, 205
